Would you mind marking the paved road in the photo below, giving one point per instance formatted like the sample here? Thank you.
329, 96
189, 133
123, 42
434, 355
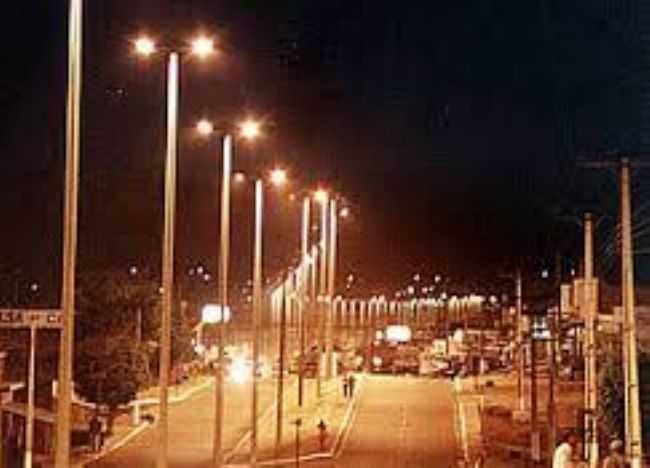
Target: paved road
401, 422
191, 426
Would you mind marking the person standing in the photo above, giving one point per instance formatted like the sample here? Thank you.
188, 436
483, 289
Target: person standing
351, 381
615, 459
563, 455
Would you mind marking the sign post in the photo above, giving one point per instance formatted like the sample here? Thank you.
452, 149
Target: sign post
33, 320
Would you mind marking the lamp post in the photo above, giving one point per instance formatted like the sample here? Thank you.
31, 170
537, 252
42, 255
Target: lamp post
201, 47
71, 196
250, 130
257, 313
331, 280
304, 248
322, 197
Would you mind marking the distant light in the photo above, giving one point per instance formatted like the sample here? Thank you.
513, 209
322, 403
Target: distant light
250, 129
416, 277
144, 46
398, 333
345, 212
240, 370
278, 177
321, 196
200, 270
204, 127
34, 287
411, 290
207, 277
202, 46
544, 273
213, 314
133, 270
437, 278
239, 177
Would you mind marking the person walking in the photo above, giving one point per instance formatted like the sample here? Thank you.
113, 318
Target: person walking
615, 459
94, 433
351, 382
346, 387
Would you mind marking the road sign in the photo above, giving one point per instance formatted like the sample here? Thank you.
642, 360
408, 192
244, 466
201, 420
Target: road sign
27, 318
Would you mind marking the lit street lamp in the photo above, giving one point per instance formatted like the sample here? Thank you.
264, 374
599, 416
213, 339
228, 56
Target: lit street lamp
249, 130
146, 47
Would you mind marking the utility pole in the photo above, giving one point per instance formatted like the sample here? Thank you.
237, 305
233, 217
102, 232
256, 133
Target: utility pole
534, 429
555, 337
634, 448
520, 344
71, 197
590, 338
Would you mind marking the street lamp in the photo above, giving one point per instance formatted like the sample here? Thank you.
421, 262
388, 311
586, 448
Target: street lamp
69, 254
146, 47
249, 130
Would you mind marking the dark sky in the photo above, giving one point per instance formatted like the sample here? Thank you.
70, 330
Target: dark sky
452, 127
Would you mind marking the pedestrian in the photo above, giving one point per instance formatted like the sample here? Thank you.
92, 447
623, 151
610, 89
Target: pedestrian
346, 387
103, 431
351, 381
94, 433
615, 459
562, 457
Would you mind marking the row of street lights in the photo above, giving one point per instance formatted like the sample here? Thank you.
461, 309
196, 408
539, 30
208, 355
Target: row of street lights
202, 47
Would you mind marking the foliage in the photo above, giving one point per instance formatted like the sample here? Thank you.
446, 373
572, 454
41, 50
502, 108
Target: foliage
611, 397
110, 370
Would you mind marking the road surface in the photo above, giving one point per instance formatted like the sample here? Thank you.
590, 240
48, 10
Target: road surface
401, 422
191, 429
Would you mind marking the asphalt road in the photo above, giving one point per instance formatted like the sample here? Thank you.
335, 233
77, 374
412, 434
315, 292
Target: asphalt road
191, 425
401, 422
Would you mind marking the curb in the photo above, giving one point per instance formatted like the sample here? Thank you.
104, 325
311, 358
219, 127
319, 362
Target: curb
333, 453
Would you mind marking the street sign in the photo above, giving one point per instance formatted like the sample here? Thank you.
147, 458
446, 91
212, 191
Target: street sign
27, 318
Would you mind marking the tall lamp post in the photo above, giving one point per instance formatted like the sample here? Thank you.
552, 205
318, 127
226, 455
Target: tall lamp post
63, 416
322, 197
200, 47
249, 130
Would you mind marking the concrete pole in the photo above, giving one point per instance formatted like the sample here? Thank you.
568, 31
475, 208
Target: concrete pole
304, 290
520, 344
224, 262
331, 285
279, 416
168, 258
71, 196
313, 289
634, 448
591, 425
322, 309
29, 420
257, 312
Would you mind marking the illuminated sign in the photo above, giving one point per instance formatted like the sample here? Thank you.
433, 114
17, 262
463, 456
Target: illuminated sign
398, 333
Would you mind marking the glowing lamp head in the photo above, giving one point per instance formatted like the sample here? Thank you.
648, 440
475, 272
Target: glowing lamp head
279, 177
202, 46
321, 196
239, 177
250, 129
204, 127
345, 212
144, 46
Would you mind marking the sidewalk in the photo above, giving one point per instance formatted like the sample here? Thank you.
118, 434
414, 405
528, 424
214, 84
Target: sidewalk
332, 408
486, 423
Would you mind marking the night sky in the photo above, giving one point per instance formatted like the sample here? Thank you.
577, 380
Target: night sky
453, 129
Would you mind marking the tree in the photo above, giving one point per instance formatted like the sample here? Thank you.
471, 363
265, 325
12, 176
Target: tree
110, 370
611, 397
